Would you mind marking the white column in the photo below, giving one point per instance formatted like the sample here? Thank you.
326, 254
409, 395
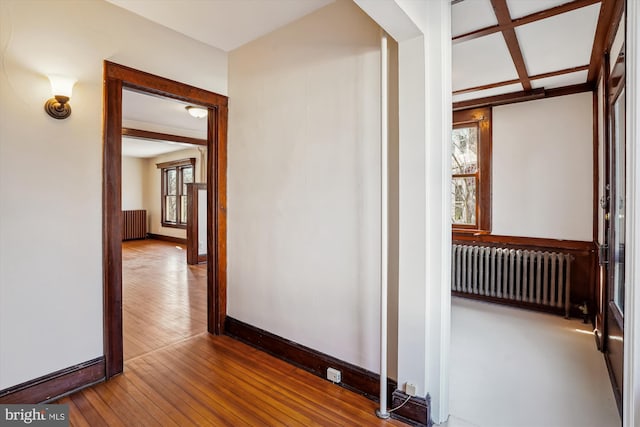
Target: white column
423, 31
631, 392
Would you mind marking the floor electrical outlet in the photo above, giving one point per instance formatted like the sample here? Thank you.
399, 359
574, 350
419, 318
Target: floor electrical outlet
334, 375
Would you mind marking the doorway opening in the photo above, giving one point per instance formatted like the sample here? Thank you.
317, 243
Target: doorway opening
117, 77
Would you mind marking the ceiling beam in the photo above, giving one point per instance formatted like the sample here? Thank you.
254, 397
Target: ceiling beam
515, 97
504, 18
145, 134
608, 20
563, 8
510, 82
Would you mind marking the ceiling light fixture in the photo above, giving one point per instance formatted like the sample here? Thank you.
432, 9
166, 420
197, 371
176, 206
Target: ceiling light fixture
197, 112
58, 107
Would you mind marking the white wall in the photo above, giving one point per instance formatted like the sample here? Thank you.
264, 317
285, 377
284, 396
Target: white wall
542, 168
153, 189
133, 182
303, 183
51, 170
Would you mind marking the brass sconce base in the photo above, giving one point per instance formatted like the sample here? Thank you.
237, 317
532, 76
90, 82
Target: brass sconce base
58, 107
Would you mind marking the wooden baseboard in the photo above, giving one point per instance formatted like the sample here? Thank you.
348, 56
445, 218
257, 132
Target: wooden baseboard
354, 378
167, 238
415, 412
55, 385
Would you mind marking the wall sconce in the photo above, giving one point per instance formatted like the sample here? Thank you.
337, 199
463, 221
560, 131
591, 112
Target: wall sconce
58, 107
197, 112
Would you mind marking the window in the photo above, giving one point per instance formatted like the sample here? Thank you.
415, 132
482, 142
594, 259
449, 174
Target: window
175, 177
471, 170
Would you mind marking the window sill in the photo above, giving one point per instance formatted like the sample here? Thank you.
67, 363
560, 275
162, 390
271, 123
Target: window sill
170, 225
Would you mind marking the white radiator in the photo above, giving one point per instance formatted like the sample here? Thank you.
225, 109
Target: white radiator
536, 277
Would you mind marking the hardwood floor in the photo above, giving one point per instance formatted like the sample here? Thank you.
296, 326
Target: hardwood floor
164, 299
176, 374
218, 381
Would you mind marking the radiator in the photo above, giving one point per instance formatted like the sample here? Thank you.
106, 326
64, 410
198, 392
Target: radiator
134, 224
535, 277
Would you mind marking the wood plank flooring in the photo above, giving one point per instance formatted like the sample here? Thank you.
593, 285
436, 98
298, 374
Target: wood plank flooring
164, 299
176, 374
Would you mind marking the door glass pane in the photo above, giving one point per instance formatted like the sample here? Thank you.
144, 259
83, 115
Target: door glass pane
618, 206
464, 150
463, 200
170, 212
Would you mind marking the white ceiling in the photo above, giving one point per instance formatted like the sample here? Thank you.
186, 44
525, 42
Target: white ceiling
148, 148
225, 24
483, 65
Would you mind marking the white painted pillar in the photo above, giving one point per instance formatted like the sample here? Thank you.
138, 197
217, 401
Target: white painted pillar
423, 31
425, 230
631, 392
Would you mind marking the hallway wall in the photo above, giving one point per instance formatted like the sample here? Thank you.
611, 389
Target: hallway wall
51, 206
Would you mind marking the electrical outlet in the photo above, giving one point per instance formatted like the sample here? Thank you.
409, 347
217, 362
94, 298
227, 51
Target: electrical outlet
410, 389
334, 375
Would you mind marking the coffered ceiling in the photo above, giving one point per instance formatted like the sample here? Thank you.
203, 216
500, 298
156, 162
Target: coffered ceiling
525, 47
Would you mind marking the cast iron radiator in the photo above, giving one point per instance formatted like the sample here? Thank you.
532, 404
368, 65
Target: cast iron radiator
535, 277
134, 224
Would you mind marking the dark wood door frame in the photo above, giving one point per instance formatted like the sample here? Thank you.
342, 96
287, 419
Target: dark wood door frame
116, 77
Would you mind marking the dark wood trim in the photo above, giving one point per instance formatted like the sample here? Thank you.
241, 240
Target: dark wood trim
56, 384
354, 378
415, 412
191, 161
560, 72
115, 78
112, 224
569, 90
180, 240
596, 163
147, 83
534, 242
217, 214
507, 98
608, 22
504, 19
510, 82
487, 86
193, 257
567, 7
145, 134
522, 96
483, 118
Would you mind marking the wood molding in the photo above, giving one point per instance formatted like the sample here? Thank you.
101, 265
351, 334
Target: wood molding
145, 134
354, 378
56, 384
415, 412
190, 161
507, 98
180, 240
508, 33
608, 21
522, 96
151, 84
193, 257
567, 7
535, 242
535, 77
115, 78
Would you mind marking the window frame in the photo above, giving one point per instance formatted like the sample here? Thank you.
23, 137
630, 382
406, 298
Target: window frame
482, 118
178, 166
